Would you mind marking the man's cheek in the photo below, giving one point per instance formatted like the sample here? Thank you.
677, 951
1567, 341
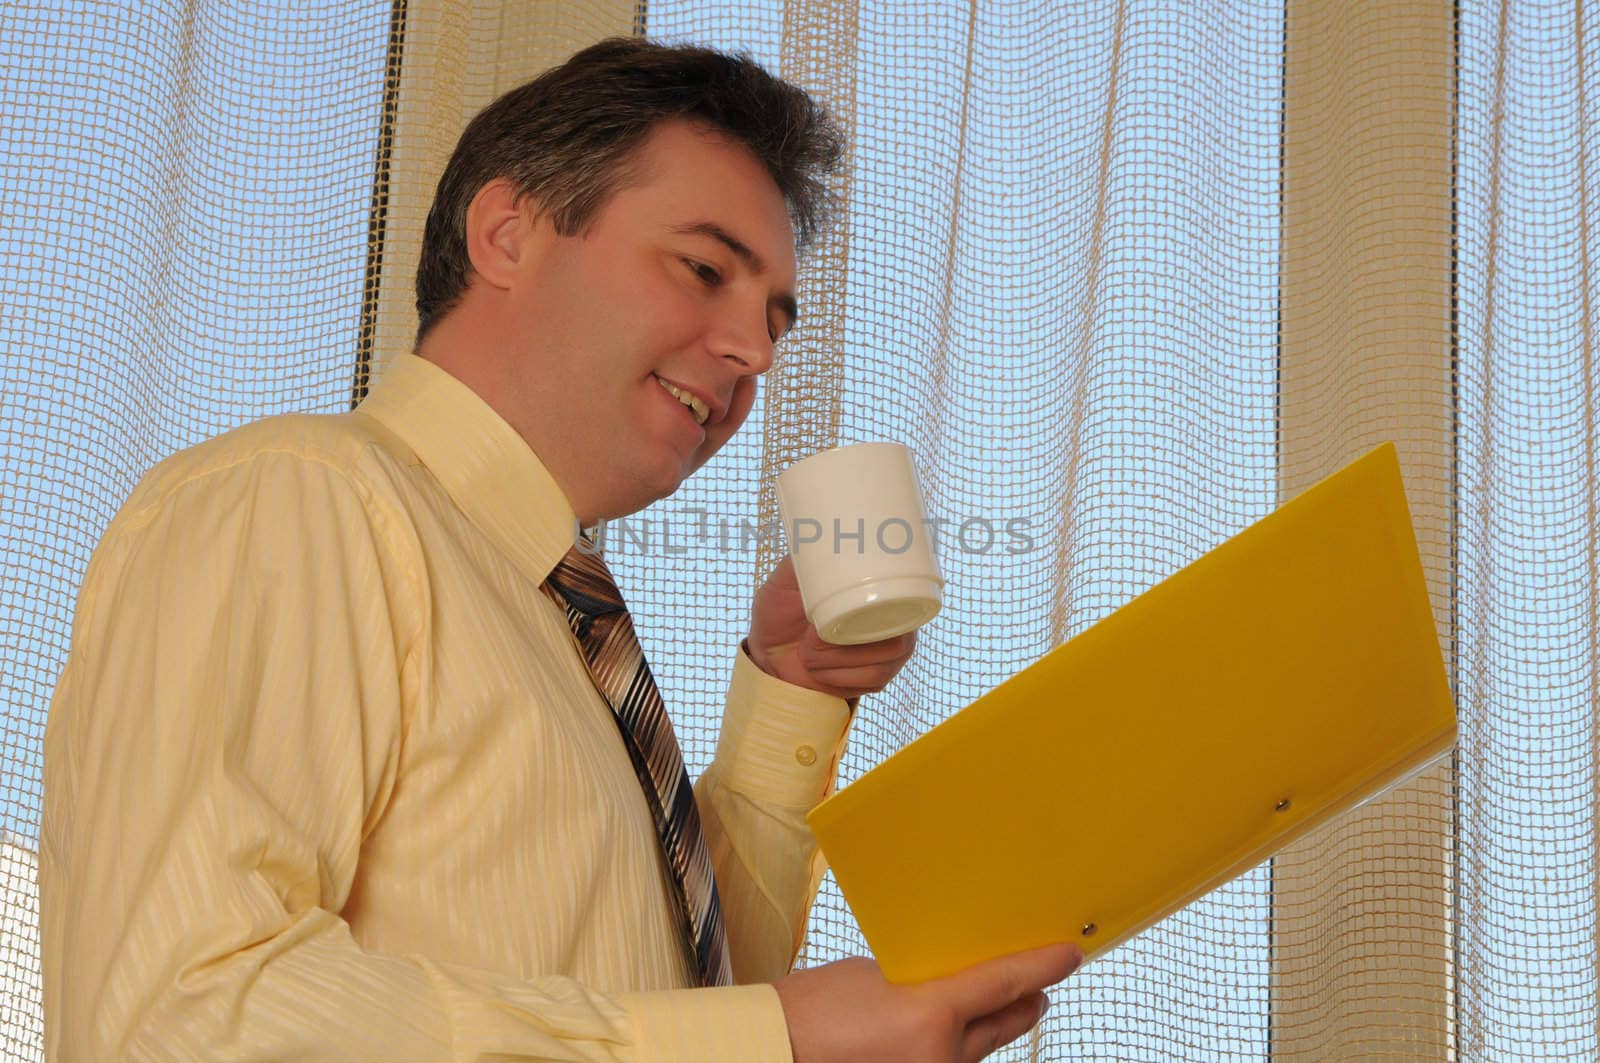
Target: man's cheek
738, 412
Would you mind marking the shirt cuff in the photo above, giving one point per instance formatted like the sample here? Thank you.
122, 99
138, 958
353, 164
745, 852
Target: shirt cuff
780, 743
732, 1024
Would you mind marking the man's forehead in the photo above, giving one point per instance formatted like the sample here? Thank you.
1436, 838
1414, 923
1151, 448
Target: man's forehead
702, 152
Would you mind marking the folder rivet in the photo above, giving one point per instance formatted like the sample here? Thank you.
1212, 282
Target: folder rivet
1282, 806
1089, 929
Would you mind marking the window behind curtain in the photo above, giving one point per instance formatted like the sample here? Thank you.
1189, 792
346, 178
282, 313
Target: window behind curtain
187, 191
1063, 273
1062, 233
1063, 229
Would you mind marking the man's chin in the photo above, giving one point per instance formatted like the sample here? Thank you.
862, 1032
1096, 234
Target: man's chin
645, 488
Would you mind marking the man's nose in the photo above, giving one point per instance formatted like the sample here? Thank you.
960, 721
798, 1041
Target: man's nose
744, 341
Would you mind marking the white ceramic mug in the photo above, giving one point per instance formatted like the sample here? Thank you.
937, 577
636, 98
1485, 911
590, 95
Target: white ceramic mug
863, 554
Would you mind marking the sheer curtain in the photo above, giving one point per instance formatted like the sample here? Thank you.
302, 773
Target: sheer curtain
1124, 275
1527, 570
1059, 273
188, 189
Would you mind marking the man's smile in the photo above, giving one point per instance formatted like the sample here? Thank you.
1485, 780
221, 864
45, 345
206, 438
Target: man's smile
696, 406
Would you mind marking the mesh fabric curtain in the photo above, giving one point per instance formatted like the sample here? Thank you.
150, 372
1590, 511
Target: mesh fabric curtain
1124, 275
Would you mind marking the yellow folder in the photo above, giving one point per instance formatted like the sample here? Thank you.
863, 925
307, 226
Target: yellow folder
1280, 680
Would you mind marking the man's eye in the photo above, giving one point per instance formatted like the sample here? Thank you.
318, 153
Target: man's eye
707, 274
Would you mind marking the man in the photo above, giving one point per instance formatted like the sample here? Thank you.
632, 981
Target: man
339, 766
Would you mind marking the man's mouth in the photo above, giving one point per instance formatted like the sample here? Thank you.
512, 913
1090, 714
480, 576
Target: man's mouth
700, 410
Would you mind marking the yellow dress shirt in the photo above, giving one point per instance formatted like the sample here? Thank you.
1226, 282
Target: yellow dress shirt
326, 778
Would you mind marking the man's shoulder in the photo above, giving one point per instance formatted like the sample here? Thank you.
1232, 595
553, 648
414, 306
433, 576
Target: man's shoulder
347, 450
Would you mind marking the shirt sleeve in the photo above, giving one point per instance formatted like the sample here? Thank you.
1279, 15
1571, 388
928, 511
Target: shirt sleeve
225, 735
777, 757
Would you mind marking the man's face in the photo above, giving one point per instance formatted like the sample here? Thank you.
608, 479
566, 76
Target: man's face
638, 342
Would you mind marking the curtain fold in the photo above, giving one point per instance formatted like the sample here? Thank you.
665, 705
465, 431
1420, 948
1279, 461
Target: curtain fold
803, 390
1361, 948
1528, 660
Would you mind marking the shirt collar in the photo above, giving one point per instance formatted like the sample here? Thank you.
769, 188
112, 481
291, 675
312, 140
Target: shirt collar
488, 470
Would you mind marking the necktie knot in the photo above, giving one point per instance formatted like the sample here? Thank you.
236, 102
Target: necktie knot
585, 586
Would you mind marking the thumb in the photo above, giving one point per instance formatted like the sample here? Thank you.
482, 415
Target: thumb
988, 987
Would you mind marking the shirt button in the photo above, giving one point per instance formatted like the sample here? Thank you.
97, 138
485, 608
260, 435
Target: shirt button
806, 756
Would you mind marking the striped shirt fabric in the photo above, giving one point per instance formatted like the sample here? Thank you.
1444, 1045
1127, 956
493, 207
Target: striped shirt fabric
326, 778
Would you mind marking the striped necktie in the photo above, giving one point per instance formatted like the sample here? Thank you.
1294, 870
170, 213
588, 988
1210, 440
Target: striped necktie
582, 585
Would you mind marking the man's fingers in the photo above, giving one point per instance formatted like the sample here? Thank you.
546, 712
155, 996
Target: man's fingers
889, 655
1006, 1025
827, 654
993, 986
852, 682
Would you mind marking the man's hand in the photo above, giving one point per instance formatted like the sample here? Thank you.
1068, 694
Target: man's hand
783, 643
847, 1011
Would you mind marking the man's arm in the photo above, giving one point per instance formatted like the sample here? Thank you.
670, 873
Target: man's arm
789, 707
792, 698
777, 756
246, 653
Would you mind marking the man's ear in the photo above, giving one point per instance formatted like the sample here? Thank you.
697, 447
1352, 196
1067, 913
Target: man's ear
501, 232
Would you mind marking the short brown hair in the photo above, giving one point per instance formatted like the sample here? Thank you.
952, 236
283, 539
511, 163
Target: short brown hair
566, 137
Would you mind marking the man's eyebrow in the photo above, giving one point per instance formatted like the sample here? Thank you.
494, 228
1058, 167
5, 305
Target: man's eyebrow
746, 255
723, 236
